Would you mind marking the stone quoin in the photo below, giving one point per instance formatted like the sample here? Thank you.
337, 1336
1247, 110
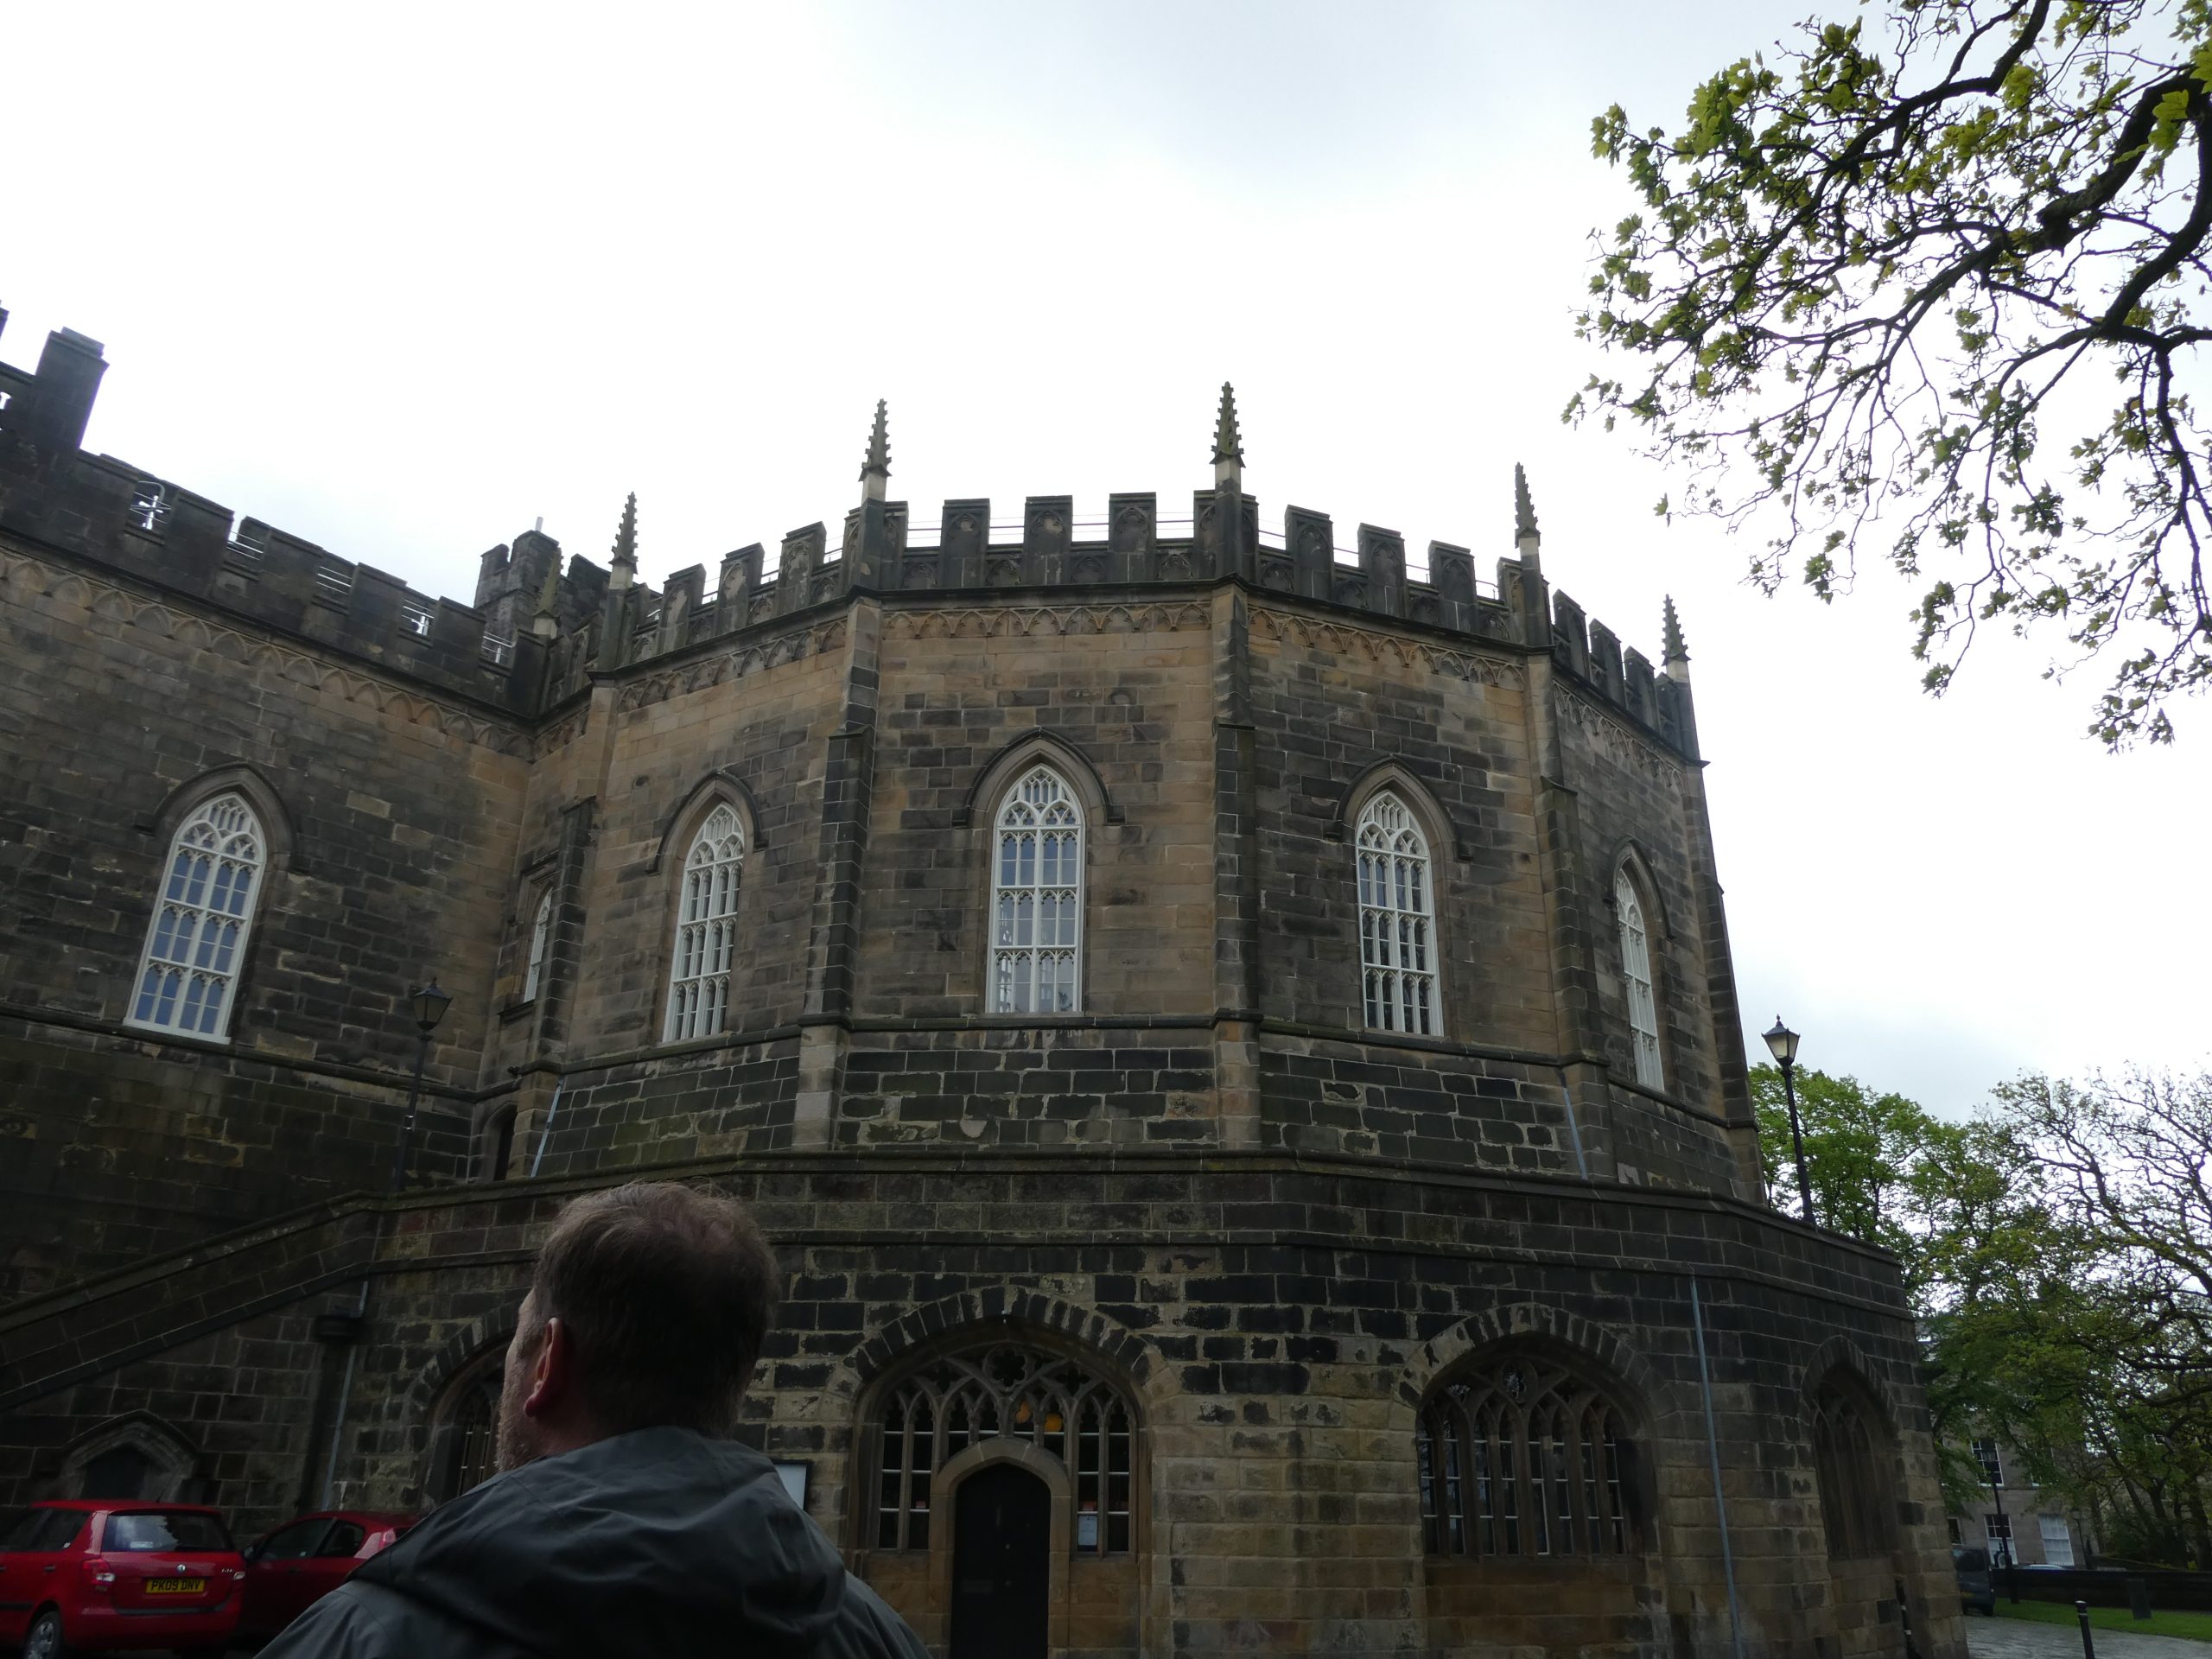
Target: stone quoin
1232, 1037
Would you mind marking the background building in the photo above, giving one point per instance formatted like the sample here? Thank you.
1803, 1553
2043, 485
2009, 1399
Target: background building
2014, 1519
1234, 1039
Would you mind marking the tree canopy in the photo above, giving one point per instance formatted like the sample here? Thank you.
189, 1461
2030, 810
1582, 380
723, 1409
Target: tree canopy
2056, 1249
1932, 286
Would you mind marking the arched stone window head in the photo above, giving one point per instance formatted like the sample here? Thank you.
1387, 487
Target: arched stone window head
196, 939
133, 1457
1847, 1460
1529, 1459
1037, 897
1636, 972
1397, 920
1047, 1400
706, 929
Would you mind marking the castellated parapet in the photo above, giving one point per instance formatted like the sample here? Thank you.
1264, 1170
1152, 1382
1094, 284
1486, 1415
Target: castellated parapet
1233, 1040
527, 646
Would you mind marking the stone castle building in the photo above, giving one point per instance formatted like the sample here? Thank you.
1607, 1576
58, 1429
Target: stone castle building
1234, 1042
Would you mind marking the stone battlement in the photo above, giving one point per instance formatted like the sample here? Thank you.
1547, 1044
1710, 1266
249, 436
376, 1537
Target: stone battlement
543, 625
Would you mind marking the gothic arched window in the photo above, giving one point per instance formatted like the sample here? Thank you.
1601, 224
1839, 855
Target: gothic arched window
1397, 920
1636, 972
1054, 1403
541, 932
469, 1445
1854, 1515
1524, 1459
706, 929
1037, 899
195, 942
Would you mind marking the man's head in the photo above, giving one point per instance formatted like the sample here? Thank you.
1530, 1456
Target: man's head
647, 1309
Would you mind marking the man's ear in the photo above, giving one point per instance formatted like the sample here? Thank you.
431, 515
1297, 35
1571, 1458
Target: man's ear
552, 1374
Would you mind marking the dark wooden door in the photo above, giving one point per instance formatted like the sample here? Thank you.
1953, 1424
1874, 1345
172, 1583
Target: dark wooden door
1002, 1565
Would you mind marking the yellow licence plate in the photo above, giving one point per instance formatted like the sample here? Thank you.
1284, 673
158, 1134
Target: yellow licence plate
175, 1586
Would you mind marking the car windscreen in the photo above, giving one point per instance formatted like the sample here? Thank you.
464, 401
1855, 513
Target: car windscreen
1971, 1561
144, 1531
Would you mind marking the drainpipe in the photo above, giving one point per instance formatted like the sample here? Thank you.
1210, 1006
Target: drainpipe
1574, 1129
546, 1129
1719, 1497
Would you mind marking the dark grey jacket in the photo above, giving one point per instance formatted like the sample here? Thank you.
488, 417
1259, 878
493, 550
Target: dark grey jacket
656, 1543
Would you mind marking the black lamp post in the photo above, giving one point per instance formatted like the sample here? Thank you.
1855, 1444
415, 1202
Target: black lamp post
430, 1005
1781, 1043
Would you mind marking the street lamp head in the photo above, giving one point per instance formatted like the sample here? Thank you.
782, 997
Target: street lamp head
429, 1004
1781, 1043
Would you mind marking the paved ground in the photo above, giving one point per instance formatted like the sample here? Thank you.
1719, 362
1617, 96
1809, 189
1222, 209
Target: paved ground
2014, 1638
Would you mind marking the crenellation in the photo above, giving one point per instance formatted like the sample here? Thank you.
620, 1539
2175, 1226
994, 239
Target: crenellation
741, 575
1637, 687
1132, 536
679, 606
1570, 637
1382, 563
1047, 532
1311, 542
1605, 670
963, 538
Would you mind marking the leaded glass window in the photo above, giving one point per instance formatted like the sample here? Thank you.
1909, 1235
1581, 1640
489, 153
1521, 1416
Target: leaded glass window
195, 942
1636, 970
1854, 1513
706, 929
472, 1446
540, 932
1523, 1459
1397, 920
1054, 1403
1037, 899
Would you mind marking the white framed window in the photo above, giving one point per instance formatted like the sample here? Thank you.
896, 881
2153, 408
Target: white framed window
2057, 1542
541, 932
1397, 920
1992, 1465
706, 929
1636, 970
1037, 899
195, 942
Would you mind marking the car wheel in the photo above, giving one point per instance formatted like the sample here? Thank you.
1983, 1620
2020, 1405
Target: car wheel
43, 1639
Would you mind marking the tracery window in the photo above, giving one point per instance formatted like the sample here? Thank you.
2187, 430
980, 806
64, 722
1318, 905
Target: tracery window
960, 1400
1397, 920
1635, 969
1524, 1459
541, 932
706, 929
195, 942
1852, 1512
1037, 899
471, 1443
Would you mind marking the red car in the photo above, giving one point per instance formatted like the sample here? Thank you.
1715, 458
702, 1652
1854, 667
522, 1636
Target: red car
305, 1560
104, 1573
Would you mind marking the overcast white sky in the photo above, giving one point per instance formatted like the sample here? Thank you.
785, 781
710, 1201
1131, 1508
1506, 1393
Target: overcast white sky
401, 280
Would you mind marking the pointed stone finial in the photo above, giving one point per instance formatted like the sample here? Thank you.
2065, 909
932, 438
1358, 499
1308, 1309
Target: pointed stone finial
625, 545
545, 623
1524, 509
1228, 442
1676, 660
875, 468
1526, 540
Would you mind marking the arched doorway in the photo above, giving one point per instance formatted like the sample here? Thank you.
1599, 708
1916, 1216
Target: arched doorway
1001, 1564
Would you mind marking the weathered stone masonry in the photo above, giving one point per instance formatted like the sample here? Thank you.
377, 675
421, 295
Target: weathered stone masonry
1277, 1235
